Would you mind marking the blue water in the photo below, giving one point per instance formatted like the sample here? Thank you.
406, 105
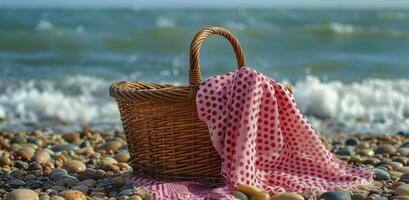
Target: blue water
56, 65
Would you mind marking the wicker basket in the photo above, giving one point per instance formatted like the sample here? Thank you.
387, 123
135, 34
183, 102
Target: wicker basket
166, 139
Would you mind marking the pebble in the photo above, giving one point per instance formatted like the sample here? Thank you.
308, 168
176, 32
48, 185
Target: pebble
26, 153
111, 146
335, 195
75, 166
395, 165
42, 156
22, 194
402, 190
358, 196
5, 160
122, 156
72, 138
136, 197
386, 149
261, 196
73, 195
404, 176
118, 181
65, 147
126, 192
352, 142
287, 196
240, 195
16, 183
381, 175
404, 169
56, 198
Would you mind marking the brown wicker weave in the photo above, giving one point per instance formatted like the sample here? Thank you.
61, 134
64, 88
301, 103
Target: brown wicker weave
165, 138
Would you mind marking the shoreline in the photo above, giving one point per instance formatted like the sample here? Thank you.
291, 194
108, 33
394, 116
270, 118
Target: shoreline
95, 164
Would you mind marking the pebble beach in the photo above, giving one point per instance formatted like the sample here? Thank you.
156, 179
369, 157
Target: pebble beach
95, 165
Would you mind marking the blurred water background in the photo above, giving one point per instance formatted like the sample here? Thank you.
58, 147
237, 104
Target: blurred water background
349, 68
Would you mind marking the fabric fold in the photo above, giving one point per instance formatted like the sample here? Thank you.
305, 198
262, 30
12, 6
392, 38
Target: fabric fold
263, 138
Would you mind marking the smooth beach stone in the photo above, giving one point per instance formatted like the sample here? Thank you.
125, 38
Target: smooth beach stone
122, 156
240, 195
404, 176
403, 151
73, 195
26, 153
18, 140
118, 181
5, 160
20, 164
72, 138
111, 146
402, 159
386, 149
82, 188
34, 184
352, 142
136, 197
395, 174
58, 173
108, 160
402, 190
358, 196
16, 183
22, 194
74, 166
365, 152
401, 198
44, 197
87, 182
355, 159
381, 175
395, 165
126, 192
287, 196
404, 169
42, 156
32, 139
37, 133
344, 152
65, 147
56, 198
261, 196
335, 195
69, 180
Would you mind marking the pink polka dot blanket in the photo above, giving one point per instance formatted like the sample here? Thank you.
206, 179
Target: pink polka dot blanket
264, 141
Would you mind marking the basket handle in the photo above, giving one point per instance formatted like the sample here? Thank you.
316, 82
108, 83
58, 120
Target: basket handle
194, 72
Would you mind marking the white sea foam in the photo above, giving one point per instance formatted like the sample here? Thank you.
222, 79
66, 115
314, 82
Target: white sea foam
163, 22
44, 25
373, 105
79, 101
342, 28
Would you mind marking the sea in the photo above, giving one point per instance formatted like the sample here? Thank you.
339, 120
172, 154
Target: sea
349, 68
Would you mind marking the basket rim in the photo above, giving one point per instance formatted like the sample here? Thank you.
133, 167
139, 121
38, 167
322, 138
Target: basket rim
140, 91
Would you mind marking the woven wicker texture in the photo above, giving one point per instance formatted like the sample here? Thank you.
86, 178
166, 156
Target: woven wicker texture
165, 138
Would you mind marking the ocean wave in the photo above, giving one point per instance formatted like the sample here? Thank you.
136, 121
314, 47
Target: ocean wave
44, 25
339, 29
393, 15
82, 99
372, 105
163, 22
